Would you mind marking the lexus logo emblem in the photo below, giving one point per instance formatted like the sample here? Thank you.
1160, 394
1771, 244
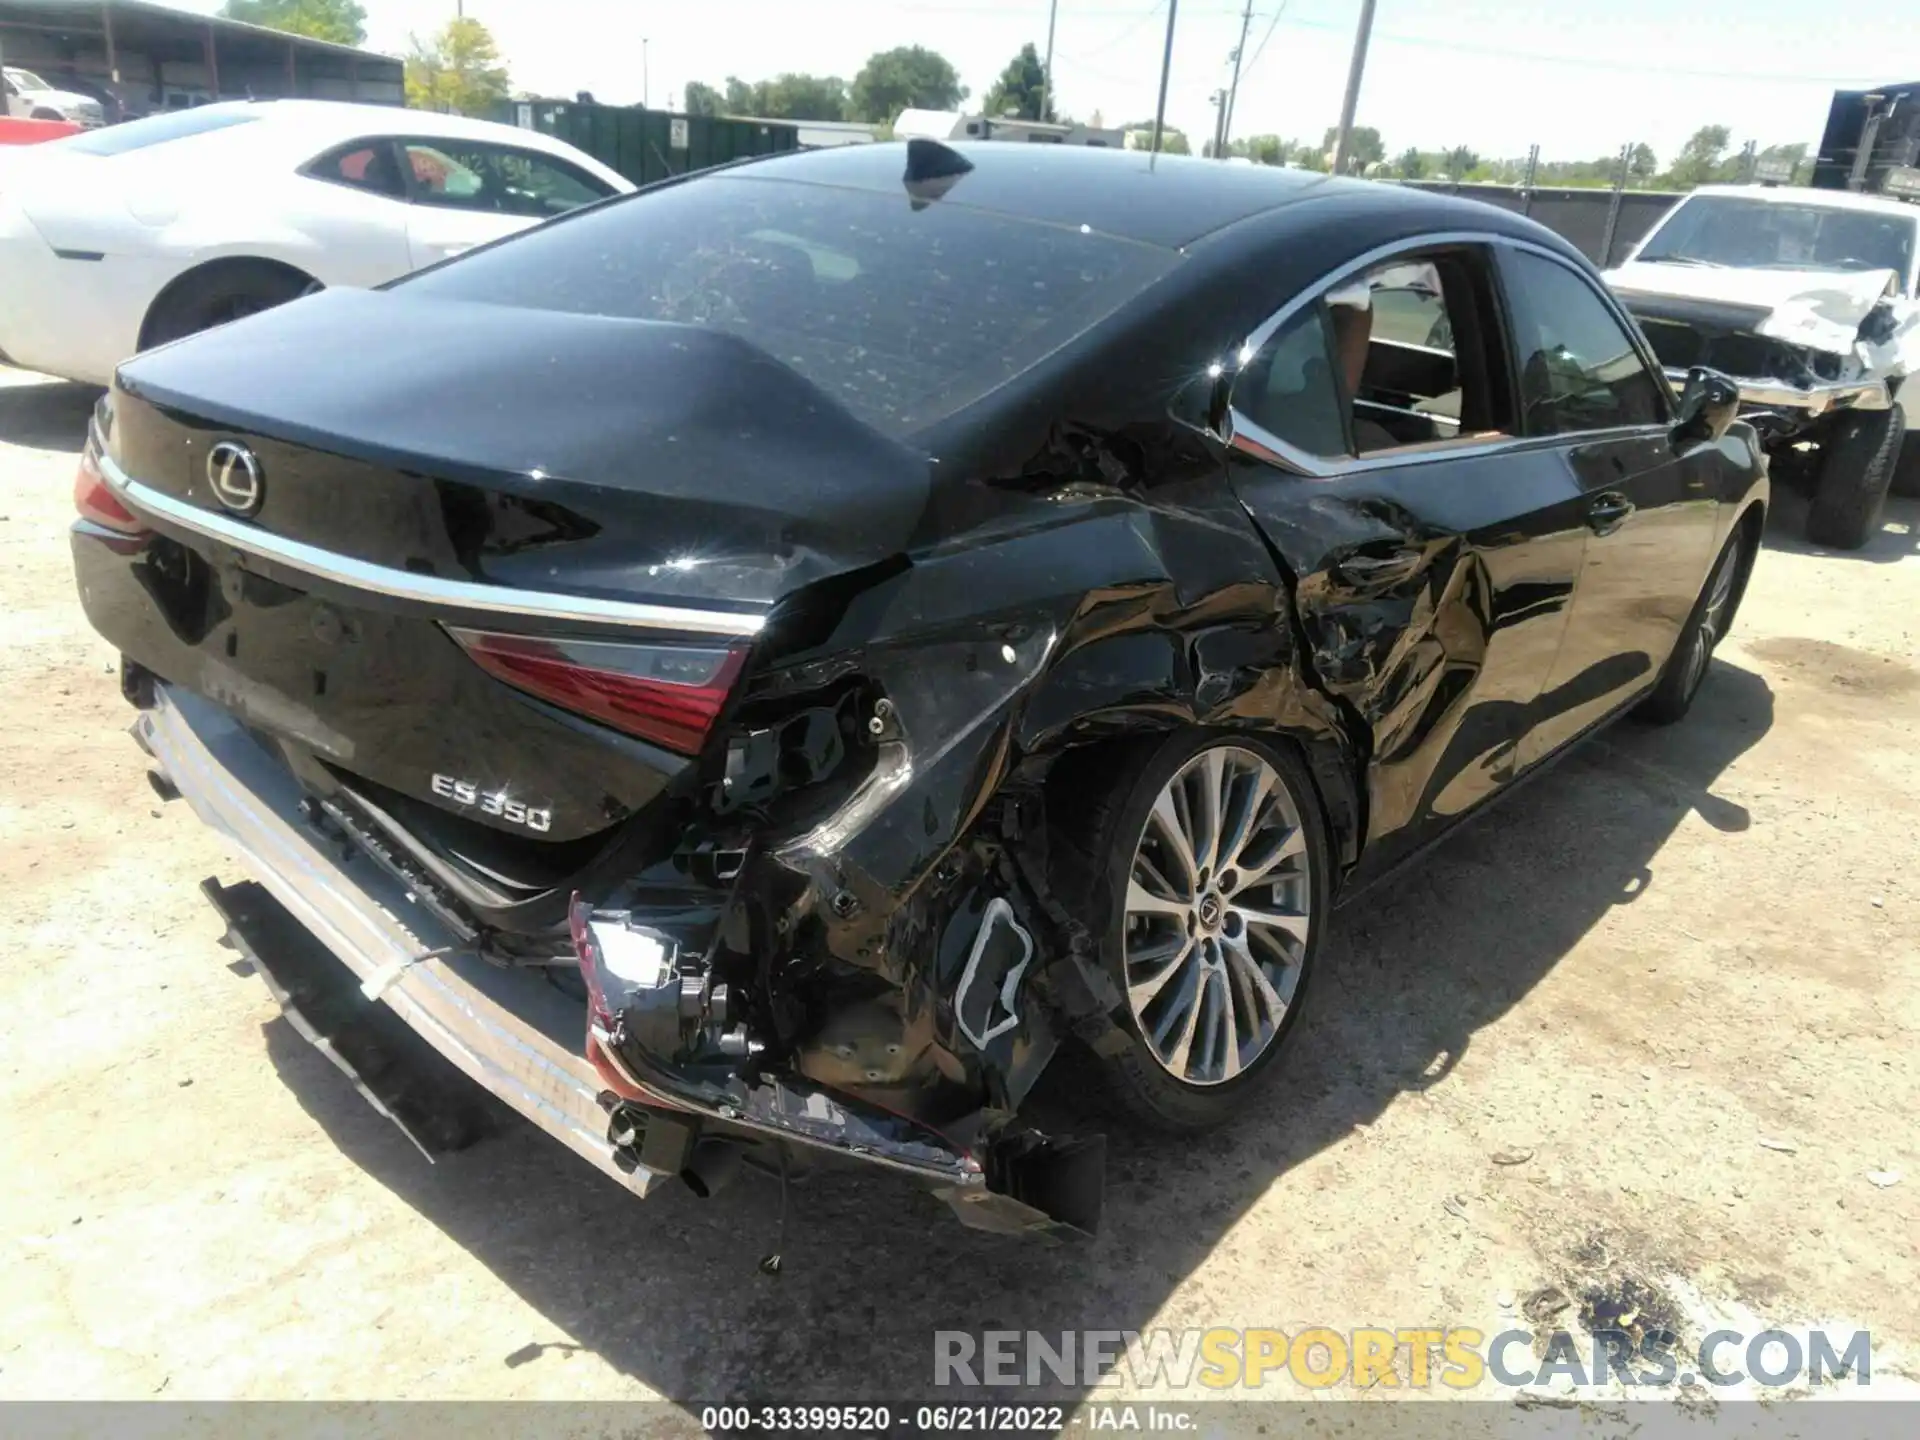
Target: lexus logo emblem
234, 473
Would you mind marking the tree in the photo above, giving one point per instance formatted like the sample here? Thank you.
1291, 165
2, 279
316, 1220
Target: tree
457, 71
1411, 165
1643, 164
1265, 149
1700, 157
344, 22
1364, 146
1790, 157
906, 77
803, 97
785, 97
1460, 161
1017, 91
702, 100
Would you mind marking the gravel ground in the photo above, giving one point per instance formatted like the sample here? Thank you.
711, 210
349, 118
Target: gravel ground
1647, 1031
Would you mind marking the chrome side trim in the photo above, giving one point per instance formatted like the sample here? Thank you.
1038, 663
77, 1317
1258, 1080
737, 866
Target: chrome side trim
1271, 448
425, 589
508, 1029
1814, 399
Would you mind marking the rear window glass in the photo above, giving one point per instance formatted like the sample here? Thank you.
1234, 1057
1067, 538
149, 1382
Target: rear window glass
903, 313
154, 130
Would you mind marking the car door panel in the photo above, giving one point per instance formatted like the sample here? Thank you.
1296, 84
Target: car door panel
1650, 516
1650, 512
358, 238
1433, 596
436, 233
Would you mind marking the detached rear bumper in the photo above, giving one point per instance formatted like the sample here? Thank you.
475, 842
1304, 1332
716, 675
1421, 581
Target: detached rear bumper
1814, 400
508, 1030
523, 1040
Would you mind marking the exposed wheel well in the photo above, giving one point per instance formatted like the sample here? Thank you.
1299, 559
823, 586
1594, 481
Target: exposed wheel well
212, 270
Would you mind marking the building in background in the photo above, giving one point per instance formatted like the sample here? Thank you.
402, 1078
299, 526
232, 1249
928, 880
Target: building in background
138, 58
820, 134
953, 125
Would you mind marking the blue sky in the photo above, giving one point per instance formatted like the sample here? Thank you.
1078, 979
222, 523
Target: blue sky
1497, 75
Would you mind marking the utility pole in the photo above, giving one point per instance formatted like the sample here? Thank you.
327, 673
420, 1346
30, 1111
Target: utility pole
1613, 205
1219, 99
1352, 100
1046, 73
1233, 90
1166, 69
643, 74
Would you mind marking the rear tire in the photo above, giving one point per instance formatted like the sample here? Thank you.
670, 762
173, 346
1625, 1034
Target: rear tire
1906, 475
221, 293
1191, 933
1709, 621
1853, 482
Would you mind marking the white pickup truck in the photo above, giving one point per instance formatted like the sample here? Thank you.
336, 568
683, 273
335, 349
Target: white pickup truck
1810, 301
31, 98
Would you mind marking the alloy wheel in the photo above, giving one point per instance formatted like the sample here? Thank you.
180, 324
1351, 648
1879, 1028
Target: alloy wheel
1218, 913
1713, 617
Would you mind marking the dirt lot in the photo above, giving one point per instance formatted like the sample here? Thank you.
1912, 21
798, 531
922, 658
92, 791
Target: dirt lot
1675, 983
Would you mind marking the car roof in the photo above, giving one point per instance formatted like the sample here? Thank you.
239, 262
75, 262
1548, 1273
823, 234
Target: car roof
1164, 200
1807, 195
325, 118
321, 123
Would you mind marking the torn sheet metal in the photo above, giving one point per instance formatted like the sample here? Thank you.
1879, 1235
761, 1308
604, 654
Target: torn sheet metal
1859, 316
1820, 309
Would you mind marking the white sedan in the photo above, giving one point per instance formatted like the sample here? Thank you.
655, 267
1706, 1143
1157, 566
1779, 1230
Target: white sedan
133, 235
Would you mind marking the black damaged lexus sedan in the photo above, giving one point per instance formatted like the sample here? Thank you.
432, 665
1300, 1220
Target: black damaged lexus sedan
749, 671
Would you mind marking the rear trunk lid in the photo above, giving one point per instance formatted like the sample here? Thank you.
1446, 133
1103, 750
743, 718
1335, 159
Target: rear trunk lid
358, 478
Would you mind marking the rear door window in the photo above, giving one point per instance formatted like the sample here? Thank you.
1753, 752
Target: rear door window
361, 165
1401, 356
903, 311
1288, 388
498, 179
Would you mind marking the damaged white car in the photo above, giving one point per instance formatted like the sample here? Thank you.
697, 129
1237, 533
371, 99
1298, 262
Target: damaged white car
1810, 299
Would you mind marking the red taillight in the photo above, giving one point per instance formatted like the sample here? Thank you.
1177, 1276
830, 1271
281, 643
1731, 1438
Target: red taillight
669, 694
95, 500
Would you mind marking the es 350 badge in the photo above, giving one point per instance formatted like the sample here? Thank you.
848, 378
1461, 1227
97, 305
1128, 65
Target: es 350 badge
493, 802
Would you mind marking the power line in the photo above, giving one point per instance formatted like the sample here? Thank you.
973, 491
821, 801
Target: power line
1127, 34
1259, 49
1588, 63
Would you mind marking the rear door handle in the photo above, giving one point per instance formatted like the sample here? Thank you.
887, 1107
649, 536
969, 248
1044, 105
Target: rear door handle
1608, 512
1361, 568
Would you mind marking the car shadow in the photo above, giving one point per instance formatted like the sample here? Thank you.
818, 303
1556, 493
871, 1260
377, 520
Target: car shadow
1897, 539
43, 414
669, 1292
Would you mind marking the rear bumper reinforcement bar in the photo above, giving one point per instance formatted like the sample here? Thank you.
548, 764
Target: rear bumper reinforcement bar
509, 1030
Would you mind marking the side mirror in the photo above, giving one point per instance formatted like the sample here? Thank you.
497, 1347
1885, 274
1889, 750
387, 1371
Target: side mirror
1709, 403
